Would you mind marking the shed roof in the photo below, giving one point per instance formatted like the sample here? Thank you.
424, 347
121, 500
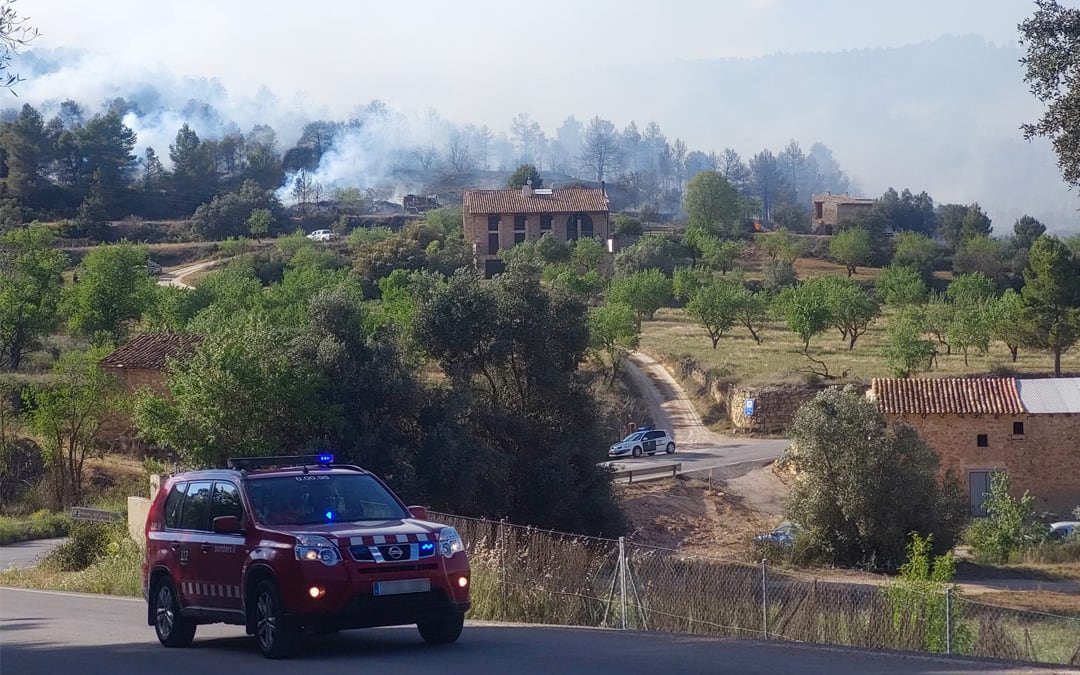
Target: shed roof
561, 200
959, 396
150, 350
842, 199
1051, 395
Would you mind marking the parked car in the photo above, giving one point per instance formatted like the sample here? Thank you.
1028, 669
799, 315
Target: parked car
783, 535
321, 235
1064, 529
154, 268
646, 440
284, 545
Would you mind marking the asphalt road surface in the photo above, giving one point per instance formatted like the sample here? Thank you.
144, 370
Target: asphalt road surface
698, 447
26, 553
45, 632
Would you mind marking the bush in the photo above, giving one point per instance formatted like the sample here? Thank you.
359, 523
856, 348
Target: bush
1009, 526
21, 468
40, 525
777, 274
86, 544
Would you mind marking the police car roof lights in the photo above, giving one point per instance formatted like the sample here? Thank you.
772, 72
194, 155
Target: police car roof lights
279, 461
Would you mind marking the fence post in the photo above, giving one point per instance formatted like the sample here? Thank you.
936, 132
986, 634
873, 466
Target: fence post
765, 598
948, 619
502, 568
622, 579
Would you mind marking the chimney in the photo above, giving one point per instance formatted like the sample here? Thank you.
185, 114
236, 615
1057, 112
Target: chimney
603, 187
526, 189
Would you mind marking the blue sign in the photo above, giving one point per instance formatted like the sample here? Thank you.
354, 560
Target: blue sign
748, 407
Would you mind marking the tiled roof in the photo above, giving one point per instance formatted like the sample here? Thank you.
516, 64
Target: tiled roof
561, 200
971, 396
828, 197
1051, 395
150, 350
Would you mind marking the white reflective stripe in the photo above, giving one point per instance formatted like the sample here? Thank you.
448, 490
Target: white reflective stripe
379, 539
356, 541
422, 536
403, 539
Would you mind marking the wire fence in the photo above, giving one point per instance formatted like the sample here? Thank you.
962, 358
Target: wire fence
525, 574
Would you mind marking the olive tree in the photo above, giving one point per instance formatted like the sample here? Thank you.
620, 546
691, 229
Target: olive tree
715, 307
613, 333
863, 485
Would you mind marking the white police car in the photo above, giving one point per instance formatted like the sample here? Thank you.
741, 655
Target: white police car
646, 440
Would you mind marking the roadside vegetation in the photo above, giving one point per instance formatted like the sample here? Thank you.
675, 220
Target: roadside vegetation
496, 398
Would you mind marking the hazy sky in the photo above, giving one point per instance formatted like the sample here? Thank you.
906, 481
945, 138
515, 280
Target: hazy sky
456, 56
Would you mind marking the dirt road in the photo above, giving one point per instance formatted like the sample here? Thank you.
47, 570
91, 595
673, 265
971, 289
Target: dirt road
176, 276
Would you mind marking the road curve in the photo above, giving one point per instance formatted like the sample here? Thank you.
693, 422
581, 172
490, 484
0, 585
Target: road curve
27, 553
176, 276
65, 632
699, 448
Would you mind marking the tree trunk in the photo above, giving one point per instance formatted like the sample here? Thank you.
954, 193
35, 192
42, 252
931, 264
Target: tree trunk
1012, 350
1057, 362
851, 343
715, 340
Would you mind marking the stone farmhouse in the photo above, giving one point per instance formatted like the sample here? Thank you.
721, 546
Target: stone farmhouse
496, 220
140, 363
1027, 427
830, 210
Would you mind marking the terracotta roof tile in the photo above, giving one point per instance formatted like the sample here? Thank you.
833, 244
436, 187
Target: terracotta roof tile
971, 396
150, 350
561, 200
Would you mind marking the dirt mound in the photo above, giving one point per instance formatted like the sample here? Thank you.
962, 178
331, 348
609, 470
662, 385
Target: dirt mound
699, 516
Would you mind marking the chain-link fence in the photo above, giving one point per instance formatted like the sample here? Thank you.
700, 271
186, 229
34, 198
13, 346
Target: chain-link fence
530, 575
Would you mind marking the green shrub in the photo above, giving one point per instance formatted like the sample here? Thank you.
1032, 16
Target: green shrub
1009, 526
234, 246
87, 543
40, 525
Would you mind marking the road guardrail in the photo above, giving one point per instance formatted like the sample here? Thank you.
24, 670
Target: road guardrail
629, 474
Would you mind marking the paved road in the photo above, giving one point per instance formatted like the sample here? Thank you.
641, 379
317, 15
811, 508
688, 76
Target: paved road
44, 632
26, 553
699, 448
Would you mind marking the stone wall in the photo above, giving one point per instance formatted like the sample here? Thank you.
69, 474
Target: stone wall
1043, 460
774, 406
476, 229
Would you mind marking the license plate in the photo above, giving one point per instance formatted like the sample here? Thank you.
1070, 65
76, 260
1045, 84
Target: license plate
404, 586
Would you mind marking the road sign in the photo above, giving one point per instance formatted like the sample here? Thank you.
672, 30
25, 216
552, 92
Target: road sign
748, 407
99, 515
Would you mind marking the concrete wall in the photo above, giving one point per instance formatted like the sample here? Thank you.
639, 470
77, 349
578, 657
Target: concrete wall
137, 510
1042, 461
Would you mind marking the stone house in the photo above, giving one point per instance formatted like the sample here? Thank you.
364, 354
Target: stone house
1027, 427
830, 210
496, 220
140, 363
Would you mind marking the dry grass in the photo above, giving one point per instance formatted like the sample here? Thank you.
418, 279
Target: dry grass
779, 357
